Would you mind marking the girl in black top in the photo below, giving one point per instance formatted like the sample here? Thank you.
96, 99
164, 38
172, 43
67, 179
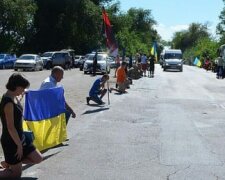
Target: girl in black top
16, 151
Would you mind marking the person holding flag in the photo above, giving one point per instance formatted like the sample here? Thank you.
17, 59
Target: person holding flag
51, 82
154, 51
151, 66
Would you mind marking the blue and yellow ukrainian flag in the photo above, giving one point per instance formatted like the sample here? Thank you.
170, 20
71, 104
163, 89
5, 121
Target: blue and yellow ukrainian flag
154, 51
197, 62
44, 114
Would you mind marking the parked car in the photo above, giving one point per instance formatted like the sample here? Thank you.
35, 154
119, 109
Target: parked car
29, 62
7, 61
82, 61
47, 59
77, 60
62, 58
112, 62
103, 65
72, 56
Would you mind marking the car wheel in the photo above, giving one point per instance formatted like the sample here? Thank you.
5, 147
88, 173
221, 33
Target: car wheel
164, 69
15, 69
85, 72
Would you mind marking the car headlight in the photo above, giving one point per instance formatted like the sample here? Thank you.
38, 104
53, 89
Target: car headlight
179, 64
167, 64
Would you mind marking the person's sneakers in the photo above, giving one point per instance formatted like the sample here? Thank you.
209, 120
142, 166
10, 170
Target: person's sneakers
101, 103
88, 99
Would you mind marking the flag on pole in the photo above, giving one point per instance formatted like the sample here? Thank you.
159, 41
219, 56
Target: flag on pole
197, 62
110, 38
44, 114
154, 51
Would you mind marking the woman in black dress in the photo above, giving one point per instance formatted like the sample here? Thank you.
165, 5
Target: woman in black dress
16, 150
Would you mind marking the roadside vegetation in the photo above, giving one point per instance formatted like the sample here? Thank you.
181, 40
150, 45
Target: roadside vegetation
36, 26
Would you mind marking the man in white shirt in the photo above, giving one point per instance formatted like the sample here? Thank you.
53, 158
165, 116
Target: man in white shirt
51, 82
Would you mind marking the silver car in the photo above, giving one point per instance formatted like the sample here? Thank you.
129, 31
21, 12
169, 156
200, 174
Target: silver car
29, 62
103, 65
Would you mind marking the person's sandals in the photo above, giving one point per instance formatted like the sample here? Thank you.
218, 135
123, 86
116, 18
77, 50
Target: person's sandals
4, 165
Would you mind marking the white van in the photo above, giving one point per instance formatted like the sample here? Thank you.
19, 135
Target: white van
222, 51
172, 59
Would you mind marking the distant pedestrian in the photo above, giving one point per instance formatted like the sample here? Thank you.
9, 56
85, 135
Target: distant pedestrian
219, 74
151, 66
98, 90
95, 62
130, 61
15, 147
51, 82
144, 64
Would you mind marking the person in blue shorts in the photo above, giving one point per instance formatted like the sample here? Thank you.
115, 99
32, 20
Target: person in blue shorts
98, 90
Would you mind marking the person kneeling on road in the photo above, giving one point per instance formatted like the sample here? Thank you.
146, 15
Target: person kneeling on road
98, 90
122, 80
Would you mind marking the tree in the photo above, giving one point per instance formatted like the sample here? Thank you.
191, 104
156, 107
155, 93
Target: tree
221, 25
66, 24
204, 47
16, 21
134, 30
187, 38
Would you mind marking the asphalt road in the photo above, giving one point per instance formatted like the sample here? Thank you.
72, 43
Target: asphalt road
170, 127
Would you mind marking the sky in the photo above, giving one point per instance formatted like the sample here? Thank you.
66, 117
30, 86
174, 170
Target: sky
177, 15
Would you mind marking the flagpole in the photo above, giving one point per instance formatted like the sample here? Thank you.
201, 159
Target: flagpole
108, 91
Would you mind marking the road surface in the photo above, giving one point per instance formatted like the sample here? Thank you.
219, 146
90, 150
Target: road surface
170, 127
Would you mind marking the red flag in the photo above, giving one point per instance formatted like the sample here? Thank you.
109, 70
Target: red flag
110, 38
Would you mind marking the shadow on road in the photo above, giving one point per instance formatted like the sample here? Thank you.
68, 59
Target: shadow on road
95, 110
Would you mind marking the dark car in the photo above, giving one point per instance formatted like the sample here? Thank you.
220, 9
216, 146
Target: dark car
72, 56
47, 59
7, 61
62, 58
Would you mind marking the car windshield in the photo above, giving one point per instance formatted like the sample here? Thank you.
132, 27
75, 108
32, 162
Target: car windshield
47, 54
27, 57
173, 56
2, 56
77, 57
99, 58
